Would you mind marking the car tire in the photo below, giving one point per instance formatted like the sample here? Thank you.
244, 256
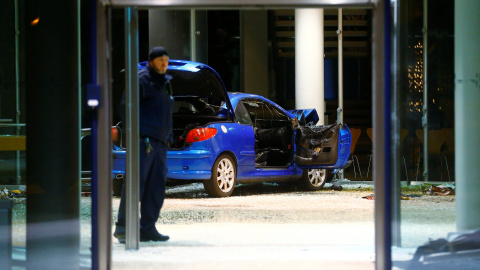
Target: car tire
117, 187
330, 175
313, 179
222, 182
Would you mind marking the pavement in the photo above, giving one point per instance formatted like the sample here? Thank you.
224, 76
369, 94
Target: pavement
251, 232
268, 226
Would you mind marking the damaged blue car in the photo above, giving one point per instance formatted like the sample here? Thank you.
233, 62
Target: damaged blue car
223, 138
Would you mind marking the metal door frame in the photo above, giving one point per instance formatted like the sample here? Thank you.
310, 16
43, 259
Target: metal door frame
380, 107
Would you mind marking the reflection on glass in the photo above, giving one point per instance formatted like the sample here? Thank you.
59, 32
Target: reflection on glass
427, 201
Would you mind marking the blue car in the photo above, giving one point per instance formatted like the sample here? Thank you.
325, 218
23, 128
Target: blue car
222, 138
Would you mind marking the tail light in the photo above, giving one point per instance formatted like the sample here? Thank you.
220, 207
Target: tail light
115, 135
200, 134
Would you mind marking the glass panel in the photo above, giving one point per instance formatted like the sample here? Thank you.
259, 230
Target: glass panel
13, 177
12, 133
425, 92
174, 219
12, 162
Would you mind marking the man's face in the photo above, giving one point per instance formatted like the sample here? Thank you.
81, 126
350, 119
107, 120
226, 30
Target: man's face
160, 64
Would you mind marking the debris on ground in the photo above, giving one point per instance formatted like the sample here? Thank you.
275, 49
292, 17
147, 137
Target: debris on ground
337, 187
5, 193
460, 250
402, 197
440, 190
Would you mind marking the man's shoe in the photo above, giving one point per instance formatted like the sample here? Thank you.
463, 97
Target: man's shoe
120, 233
152, 235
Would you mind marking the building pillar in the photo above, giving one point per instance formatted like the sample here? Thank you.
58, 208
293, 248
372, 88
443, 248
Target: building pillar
467, 126
254, 52
309, 61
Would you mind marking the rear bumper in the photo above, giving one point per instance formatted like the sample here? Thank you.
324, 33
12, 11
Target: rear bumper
182, 165
189, 165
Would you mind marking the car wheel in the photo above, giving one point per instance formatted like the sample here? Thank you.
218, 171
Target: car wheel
330, 175
222, 182
313, 179
117, 186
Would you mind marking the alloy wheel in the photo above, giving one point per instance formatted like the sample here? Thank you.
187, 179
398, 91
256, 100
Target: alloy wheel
317, 177
225, 175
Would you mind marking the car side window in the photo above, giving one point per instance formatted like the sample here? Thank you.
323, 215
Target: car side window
264, 111
241, 115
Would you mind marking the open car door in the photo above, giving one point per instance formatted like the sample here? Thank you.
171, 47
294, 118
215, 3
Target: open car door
322, 147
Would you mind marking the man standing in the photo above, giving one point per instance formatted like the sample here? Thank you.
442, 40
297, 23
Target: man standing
156, 105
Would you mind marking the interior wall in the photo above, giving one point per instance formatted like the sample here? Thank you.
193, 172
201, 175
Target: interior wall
254, 52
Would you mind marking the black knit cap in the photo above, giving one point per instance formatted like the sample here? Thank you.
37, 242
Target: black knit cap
157, 52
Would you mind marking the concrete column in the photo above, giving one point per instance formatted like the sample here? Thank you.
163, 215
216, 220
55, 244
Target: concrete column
309, 60
467, 126
254, 52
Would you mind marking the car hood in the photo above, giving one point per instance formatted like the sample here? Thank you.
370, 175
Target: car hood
306, 117
193, 79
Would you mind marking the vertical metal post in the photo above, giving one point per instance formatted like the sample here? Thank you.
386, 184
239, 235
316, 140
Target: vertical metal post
132, 118
17, 86
425, 90
79, 98
104, 137
381, 133
193, 36
398, 40
340, 66
341, 174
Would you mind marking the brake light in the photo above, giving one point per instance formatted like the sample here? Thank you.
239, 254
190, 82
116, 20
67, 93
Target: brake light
200, 134
114, 135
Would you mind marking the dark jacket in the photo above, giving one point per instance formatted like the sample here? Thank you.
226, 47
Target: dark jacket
156, 104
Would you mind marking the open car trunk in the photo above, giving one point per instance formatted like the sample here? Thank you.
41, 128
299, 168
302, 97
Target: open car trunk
199, 99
